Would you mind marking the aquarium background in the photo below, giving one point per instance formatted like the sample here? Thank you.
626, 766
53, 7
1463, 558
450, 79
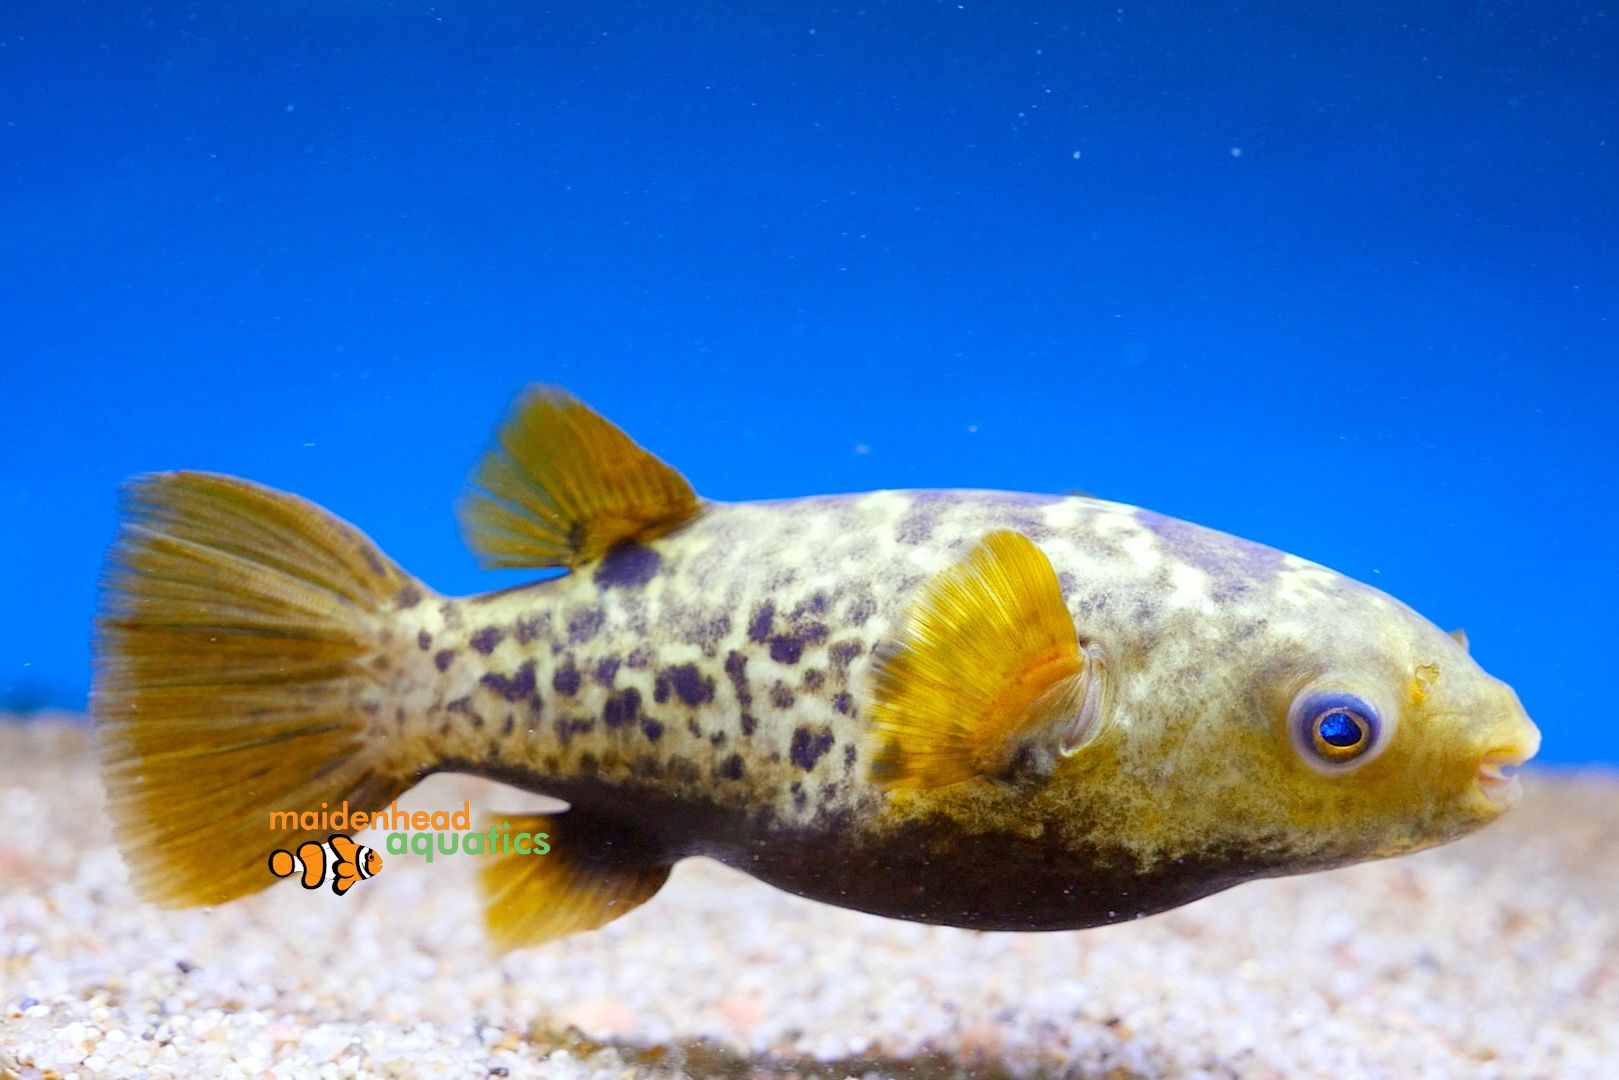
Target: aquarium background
1342, 281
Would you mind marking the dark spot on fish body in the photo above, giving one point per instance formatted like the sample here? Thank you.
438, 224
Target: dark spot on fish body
374, 560
566, 680
627, 566
684, 770
814, 678
513, 687
808, 747
786, 650
759, 628
1065, 584
652, 729
486, 639
459, 705
424, 640
511, 722
660, 688
781, 696
526, 629
569, 726
646, 766
916, 528
850, 752
717, 739
843, 653
731, 768
607, 671
797, 790
736, 666
844, 703
749, 723
639, 658
861, 609
622, 708
588, 765
584, 624
551, 764
815, 604
693, 728
707, 634
690, 685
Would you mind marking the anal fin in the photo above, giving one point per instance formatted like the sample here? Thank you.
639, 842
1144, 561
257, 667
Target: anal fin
580, 873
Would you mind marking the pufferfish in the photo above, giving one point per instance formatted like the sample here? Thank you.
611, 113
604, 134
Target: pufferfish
972, 708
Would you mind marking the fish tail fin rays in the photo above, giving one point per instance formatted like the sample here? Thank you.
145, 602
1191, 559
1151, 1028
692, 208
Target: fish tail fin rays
580, 873
563, 485
234, 679
987, 660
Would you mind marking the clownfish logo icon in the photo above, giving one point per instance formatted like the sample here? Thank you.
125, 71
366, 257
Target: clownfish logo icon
339, 860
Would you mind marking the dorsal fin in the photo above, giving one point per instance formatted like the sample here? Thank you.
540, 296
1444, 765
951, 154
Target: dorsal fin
564, 485
987, 663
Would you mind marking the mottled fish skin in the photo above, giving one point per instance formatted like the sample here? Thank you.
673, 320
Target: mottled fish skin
711, 686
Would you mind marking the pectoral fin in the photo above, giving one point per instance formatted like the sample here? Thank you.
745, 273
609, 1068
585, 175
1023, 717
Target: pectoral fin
987, 662
564, 486
587, 873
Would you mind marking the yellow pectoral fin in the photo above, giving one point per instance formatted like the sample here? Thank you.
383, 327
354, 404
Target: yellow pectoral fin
564, 486
987, 657
589, 873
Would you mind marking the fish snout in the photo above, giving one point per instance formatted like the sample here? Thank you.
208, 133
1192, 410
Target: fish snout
1510, 747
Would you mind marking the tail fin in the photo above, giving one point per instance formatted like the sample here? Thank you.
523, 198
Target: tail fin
233, 679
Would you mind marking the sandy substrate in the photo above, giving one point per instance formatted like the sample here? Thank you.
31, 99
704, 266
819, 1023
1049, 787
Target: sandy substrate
1496, 956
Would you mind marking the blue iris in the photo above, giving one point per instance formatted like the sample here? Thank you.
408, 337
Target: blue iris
1339, 729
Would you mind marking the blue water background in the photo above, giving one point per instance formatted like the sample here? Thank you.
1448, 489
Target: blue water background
1339, 278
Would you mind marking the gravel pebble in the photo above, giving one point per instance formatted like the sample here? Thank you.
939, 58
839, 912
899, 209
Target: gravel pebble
1494, 957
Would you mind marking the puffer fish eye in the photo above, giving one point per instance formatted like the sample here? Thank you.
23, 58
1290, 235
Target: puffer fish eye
1335, 731
1340, 734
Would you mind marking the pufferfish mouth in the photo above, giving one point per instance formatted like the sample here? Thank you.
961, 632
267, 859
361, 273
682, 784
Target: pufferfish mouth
1502, 788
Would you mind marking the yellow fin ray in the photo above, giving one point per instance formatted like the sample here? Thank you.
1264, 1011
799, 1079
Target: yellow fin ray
593, 873
987, 652
232, 677
565, 485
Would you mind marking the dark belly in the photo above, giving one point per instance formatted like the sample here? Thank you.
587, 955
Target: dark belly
989, 882
929, 873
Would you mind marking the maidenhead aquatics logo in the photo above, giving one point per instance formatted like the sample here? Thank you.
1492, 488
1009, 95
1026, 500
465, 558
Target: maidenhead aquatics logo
339, 860
342, 861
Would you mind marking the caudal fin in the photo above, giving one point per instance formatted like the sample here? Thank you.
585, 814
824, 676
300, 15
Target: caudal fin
235, 677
